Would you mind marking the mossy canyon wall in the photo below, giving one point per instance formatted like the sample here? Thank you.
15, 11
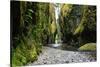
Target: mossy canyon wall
33, 25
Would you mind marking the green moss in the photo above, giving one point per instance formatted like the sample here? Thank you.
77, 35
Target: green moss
25, 52
33, 24
66, 9
79, 29
83, 22
53, 27
17, 59
32, 54
88, 47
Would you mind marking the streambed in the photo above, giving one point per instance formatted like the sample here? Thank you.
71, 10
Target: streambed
57, 56
59, 53
63, 46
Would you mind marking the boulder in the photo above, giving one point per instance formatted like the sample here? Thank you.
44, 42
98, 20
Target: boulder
88, 47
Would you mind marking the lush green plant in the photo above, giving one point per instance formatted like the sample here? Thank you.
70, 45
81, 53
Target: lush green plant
33, 25
37, 27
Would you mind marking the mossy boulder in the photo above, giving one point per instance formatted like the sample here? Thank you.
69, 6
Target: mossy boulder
53, 27
88, 47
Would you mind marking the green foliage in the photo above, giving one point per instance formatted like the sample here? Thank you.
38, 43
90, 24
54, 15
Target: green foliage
79, 25
88, 14
33, 25
65, 9
25, 52
37, 23
91, 25
88, 47
79, 29
53, 27
51, 12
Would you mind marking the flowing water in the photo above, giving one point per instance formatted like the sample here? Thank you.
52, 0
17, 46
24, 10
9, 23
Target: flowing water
58, 35
58, 42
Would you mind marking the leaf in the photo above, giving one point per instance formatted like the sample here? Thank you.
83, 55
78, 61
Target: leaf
30, 10
29, 16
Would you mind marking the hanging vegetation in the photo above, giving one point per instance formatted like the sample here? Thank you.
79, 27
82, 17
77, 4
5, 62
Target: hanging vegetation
32, 27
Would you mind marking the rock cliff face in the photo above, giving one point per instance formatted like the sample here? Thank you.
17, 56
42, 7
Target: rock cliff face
78, 24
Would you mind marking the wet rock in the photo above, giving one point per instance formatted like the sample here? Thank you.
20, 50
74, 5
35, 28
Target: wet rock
67, 62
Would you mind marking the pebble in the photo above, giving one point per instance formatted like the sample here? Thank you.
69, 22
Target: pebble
57, 56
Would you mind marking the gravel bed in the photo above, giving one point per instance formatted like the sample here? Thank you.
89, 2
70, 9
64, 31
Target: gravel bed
57, 56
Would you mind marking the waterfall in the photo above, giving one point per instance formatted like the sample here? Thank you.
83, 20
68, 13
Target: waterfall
58, 41
58, 35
